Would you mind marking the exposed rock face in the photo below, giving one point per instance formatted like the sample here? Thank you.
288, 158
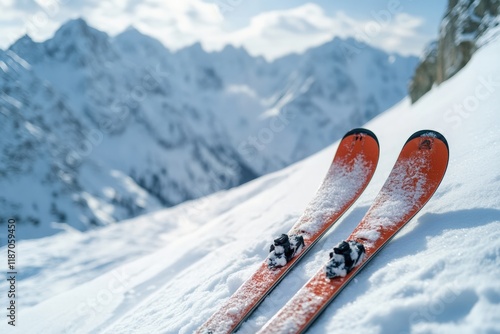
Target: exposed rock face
464, 23
425, 74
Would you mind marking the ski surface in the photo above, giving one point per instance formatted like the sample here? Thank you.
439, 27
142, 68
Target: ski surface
349, 174
413, 180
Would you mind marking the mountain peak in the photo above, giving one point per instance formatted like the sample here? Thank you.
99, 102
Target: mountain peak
24, 39
131, 30
133, 41
23, 42
76, 37
78, 28
231, 49
27, 49
195, 48
130, 27
194, 52
79, 22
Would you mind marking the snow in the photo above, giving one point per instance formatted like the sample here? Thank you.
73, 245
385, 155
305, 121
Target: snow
168, 271
327, 203
3, 66
398, 197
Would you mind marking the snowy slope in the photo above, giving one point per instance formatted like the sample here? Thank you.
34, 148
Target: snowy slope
167, 272
121, 126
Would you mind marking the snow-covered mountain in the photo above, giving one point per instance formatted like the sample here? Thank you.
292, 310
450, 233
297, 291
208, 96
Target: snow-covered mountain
167, 272
101, 128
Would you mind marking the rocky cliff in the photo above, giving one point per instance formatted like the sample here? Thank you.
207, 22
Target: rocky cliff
461, 34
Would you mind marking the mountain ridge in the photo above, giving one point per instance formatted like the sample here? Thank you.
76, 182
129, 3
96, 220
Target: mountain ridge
156, 128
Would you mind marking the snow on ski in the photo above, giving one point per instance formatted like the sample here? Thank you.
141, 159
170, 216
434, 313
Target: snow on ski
349, 174
413, 180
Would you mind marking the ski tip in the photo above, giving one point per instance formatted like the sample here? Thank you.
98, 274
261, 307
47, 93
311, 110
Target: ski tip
429, 133
361, 131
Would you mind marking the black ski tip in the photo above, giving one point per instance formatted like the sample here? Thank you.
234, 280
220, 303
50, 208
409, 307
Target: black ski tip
429, 133
361, 131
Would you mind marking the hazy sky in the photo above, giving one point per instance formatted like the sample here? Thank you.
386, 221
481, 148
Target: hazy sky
264, 27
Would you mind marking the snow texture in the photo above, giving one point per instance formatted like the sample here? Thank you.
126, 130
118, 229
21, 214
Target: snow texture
326, 203
398, 197
168, 271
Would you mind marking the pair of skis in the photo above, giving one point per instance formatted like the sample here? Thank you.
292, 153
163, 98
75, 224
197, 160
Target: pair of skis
413, 180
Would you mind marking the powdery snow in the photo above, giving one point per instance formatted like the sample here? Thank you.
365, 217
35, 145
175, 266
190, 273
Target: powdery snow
168, 272
399, 196
326, 203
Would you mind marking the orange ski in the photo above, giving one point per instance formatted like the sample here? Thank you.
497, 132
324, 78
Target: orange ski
415, 177
349, 174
